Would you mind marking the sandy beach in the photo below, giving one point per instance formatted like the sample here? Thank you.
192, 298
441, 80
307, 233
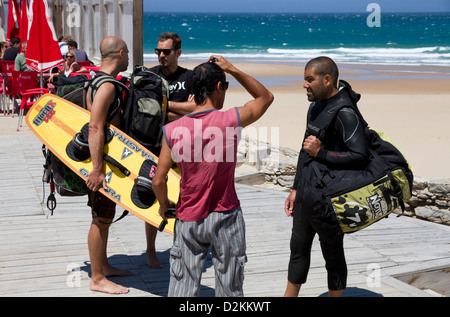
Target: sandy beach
411, 104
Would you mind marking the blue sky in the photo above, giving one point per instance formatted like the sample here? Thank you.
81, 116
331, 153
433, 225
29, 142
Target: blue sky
295, 5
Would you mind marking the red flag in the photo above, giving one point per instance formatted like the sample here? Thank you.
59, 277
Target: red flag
13, 20
43, 51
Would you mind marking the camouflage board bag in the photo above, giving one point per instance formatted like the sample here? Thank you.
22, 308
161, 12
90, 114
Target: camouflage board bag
347, 200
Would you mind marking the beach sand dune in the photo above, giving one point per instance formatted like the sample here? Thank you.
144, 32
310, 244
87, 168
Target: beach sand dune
410, 104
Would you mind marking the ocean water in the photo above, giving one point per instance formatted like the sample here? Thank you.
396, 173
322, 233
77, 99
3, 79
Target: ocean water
401, 39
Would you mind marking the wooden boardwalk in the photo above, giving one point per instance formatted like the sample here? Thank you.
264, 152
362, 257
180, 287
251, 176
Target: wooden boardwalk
43, 255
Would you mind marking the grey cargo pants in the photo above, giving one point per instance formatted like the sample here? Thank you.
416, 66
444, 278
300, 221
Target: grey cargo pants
225, 231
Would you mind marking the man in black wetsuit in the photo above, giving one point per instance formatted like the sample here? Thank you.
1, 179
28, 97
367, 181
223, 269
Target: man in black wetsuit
181, 102
344, 145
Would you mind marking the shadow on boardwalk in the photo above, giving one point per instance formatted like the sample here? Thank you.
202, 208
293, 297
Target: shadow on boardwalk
43, 255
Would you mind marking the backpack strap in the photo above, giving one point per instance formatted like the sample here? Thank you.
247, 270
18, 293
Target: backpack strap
124, 213
397, 191
93, 85
320, 118
97, 81
322, 114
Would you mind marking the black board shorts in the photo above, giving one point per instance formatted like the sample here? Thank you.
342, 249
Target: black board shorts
101, 206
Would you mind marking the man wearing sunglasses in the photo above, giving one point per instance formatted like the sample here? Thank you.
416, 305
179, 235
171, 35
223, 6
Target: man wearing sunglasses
204, 145
181, 102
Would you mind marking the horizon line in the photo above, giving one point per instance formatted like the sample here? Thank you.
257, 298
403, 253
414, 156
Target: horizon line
295, 12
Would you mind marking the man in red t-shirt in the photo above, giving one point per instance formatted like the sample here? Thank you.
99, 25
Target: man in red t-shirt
204, 145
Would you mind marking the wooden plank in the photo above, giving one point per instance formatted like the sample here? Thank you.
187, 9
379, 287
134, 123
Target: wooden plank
36, 248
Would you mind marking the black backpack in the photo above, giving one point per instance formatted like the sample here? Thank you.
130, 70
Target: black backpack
145, 111
347, 200
61, 178
75, 89
66, 85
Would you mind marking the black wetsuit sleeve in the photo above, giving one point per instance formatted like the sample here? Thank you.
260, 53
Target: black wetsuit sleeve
298, 174
348, 127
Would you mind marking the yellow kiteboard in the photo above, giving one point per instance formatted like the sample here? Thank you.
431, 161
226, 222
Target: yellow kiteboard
128, 166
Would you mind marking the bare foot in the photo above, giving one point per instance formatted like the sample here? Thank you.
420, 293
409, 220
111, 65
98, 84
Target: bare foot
153, 261
106, 286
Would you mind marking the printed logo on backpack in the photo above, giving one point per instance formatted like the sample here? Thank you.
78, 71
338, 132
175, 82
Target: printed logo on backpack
364, 206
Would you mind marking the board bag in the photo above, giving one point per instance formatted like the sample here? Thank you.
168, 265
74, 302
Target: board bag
344, 201
75, 89
145, 111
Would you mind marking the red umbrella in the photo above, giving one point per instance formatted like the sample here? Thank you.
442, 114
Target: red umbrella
43, 51
24, 13
13, 20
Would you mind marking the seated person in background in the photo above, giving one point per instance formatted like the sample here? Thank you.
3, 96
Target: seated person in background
80, 54
11, 53
20, 61
2, 49
70, 66
62, 41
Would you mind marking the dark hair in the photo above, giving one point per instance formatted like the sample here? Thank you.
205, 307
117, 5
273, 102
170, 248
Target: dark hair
176, 40
324, 66
15, 40
73, 44
204, 80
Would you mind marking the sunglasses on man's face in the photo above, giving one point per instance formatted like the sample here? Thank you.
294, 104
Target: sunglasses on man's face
166, 52
69, 56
